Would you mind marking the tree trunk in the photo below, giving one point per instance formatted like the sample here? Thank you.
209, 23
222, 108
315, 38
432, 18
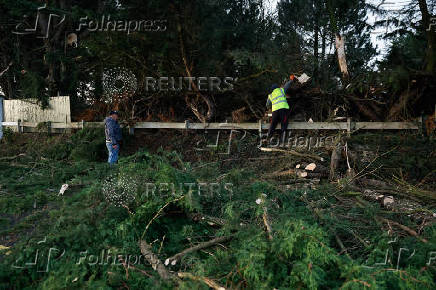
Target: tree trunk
315, 49
342, 60
199, 96
334, 163
430, 34
323, 60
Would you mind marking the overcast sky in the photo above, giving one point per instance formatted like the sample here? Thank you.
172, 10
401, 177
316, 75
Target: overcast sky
393, 6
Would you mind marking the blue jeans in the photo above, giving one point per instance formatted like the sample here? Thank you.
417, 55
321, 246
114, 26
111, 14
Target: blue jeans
113, 153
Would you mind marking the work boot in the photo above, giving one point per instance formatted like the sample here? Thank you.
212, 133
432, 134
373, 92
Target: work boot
282, 142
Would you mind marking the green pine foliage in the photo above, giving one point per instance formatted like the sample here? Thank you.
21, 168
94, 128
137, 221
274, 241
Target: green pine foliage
87, 229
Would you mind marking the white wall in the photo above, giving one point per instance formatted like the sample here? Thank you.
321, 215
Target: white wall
1, 117
28, 110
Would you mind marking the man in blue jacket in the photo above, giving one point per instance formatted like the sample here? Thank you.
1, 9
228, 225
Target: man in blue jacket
113, 136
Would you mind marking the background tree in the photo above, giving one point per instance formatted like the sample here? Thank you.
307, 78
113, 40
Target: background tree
242, 39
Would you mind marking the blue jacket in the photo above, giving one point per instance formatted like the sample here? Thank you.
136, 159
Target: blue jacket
112, 131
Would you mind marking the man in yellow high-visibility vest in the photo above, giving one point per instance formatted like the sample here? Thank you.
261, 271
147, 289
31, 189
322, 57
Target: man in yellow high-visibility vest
280, 107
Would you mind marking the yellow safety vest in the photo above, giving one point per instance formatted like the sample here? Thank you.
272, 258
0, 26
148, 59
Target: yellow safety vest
278, 99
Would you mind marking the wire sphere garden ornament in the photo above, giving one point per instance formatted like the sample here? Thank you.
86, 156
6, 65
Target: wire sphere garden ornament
120, 190
118, 83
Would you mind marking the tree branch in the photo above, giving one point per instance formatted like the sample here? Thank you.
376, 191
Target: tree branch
174, 259
156, 264
292, 152
209, 282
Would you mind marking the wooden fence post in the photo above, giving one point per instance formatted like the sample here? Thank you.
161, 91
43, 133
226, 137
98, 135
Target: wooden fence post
421, 124
49, 127
19, 127
132, 130
348, 127
260, 128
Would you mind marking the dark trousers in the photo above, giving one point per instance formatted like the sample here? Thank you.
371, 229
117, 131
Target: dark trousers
281, 116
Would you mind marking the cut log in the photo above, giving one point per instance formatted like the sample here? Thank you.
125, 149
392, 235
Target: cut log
314, 167
301, 174
388, 201
310, 167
